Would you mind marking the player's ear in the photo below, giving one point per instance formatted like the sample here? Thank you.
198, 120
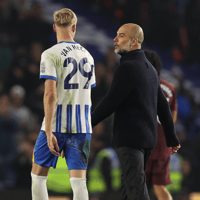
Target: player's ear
54, 27
74, 28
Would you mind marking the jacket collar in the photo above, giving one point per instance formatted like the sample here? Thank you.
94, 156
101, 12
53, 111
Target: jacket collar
137, 54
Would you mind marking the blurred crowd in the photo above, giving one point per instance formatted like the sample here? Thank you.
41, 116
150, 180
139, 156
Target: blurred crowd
167, 23
24, 35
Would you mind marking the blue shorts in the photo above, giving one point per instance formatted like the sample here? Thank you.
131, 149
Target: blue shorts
75, 146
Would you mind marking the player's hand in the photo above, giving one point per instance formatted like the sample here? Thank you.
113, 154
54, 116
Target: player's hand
175, 149
53, 144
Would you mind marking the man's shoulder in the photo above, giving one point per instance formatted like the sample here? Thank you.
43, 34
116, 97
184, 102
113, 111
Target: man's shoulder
131, 63
124, 67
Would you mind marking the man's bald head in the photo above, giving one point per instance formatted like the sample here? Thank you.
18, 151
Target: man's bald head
129, 37
135, 32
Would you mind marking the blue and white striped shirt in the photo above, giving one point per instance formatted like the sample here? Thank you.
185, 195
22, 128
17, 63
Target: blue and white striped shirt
72, 67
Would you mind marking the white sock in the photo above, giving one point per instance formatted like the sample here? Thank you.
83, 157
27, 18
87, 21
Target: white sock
39, 187
79, 188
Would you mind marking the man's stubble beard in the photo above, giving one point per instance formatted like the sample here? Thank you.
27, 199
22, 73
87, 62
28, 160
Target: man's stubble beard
124, 49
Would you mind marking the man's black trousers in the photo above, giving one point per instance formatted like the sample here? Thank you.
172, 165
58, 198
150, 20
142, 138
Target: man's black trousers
133, 180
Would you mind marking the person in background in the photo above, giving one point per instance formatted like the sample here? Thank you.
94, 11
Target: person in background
21, 113
8, 131
157, 168
68, 72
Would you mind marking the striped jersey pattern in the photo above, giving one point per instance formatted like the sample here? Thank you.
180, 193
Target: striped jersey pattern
72, 67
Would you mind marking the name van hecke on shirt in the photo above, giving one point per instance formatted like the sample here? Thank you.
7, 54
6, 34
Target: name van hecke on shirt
65, 51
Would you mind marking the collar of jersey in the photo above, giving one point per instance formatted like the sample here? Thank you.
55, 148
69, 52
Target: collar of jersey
68, 42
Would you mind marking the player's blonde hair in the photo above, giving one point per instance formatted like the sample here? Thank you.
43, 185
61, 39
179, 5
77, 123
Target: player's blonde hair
64, 17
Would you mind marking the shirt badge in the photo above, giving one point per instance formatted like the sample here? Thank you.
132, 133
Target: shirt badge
42, 67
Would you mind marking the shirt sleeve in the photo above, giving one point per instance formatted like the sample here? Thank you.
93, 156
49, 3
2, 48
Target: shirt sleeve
166, 119
93, 79
118, 91
47, 67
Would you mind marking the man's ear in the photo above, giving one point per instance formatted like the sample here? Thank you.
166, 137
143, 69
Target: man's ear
54, 27
135, 41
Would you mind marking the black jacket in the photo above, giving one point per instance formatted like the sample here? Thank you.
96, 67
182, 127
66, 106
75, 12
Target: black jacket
135, 96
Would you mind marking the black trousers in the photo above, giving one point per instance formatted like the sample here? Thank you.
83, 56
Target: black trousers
133, 181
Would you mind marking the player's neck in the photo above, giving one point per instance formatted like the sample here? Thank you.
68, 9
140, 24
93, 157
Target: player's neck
65, 40
67, 37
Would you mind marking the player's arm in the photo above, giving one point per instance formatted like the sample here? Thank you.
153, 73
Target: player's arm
50, 98
166, 120
173, 106
176, 148
174, 115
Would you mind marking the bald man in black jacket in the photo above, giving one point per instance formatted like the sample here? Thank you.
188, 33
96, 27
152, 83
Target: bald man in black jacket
136, 98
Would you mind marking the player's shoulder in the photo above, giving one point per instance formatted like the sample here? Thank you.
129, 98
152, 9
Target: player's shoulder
50, 51
84, 50
76, 48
